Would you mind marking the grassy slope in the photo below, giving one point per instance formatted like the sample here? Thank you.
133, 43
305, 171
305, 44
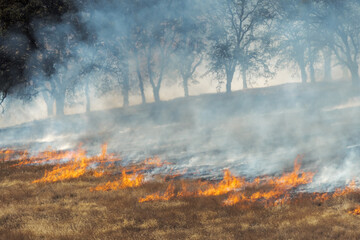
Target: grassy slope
311, 97
68, 210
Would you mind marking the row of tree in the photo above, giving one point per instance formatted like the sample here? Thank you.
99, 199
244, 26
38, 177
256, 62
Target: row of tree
54, 48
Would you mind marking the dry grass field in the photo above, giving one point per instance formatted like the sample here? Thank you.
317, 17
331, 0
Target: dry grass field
69, 210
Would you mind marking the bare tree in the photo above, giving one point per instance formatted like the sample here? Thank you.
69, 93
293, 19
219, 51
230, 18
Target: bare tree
291, 30
161, 44
191, 45
342, 22
236, 28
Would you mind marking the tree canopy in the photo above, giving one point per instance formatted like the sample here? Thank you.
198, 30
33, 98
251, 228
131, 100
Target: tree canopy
54, 48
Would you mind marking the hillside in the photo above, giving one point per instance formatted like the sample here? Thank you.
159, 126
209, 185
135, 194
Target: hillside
242, 131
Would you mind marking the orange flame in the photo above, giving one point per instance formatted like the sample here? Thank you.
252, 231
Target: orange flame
228, 184
155, 161
98, 174
168, 194
293, 179
269, 191
356, 211
234, 199
73, 169
280, 186
348, 189
130, 180
321, 197
10, 154
126, 181
76, 166
184, 191
6, 154
43, 157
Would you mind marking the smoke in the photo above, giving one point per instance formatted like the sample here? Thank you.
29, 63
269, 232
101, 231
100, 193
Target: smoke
207, 134
252, 132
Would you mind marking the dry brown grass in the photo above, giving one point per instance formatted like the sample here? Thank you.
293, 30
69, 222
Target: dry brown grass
68, 210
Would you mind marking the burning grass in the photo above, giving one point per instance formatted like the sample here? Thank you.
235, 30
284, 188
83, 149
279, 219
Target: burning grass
116, 202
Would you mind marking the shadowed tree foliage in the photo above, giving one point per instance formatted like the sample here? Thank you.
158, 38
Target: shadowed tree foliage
18, 39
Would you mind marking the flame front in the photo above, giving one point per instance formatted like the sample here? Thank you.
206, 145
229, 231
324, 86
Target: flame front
126, 180
167, 195
276, 195
279, 187
77, 165
228, 184
348, 189
269, 191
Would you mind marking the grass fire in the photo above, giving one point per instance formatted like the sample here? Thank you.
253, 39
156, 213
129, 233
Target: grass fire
67, 193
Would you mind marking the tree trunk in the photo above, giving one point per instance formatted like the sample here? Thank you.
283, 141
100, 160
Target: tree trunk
354, 70
186, 86
126, 85
125, 97
50, 108
303, 72
141, 83
303, 75
327, 65
229, 78
60, 104
345, 73
312, 71
243, 72
49, 100
125, 92
301, 62
155, 87
87, 102
141, 86
156, 92
87, 96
